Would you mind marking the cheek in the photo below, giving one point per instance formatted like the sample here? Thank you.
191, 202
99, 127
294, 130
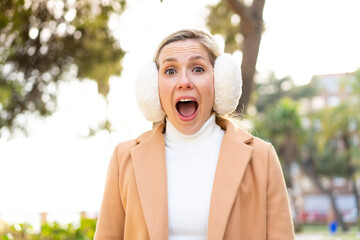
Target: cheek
162, 87
209, 92
164, 93
208, 88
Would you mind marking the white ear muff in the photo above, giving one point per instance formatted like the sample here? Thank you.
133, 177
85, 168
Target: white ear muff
227, 84
147, 93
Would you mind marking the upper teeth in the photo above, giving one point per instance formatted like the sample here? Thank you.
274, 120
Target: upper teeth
185, 100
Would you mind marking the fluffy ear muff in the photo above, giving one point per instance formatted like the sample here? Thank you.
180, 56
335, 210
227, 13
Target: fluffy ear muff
147, 93
227, 84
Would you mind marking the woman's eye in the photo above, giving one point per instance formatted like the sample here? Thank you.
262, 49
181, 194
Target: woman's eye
198, 69
170, 71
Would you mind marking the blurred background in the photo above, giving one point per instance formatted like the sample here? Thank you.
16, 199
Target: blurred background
67, 72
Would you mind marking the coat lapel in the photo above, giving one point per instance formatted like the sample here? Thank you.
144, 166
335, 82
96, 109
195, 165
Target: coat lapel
150, 172
233, 158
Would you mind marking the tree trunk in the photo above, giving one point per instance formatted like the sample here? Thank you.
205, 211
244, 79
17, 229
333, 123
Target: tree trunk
309, 171
288, 153
251, 27
250, 52
351, 171
356, 194
338, 215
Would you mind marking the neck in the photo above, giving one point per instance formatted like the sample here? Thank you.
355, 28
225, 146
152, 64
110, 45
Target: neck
173, 136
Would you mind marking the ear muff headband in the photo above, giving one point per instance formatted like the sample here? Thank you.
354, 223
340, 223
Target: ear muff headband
227, 84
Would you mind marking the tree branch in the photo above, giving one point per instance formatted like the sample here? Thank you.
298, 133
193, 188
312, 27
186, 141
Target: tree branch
239, 8
258, 7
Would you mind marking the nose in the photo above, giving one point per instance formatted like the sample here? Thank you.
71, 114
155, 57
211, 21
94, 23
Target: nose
185, 82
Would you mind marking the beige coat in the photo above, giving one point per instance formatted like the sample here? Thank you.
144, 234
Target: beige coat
249, 199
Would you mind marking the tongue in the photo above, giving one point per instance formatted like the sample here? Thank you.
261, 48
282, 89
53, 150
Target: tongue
186, 109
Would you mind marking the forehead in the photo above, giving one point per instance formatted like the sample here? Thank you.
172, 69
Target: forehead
187, 47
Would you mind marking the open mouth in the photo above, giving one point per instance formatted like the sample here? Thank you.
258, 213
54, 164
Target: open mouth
187, 108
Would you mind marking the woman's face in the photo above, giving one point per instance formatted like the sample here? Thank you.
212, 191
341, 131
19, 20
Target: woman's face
186, 84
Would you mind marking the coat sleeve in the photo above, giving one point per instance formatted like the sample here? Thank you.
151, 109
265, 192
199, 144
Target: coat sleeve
110, 223
279, 221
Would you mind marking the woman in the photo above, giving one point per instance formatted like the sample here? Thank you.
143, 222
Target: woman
196, 175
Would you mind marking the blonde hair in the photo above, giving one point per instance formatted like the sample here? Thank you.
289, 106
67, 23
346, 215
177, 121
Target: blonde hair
202, 37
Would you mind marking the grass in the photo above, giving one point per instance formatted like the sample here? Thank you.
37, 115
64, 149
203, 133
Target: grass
310, 228
321, 232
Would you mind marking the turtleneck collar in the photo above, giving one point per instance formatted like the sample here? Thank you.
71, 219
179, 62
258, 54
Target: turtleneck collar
173, 136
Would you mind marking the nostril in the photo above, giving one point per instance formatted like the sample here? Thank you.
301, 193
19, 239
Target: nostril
184, 83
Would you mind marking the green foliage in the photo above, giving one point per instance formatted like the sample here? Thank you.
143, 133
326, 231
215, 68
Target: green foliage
17, 231
272, 89
281, 124
269, 92
331, 136
51, 231
337, 134
336, 123
278, 119
284, 117
330, 163
223, 21
40, 40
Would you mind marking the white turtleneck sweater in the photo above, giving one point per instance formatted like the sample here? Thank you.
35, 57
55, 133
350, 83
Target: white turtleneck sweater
191, 163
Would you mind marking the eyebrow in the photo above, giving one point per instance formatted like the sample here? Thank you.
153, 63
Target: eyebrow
197, 57
171, 59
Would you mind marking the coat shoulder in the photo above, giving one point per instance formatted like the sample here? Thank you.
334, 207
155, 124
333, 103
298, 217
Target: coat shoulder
123, 149
263, 151
261, 144
126, 146
254, 141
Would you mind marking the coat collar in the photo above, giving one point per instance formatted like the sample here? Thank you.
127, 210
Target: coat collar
150, 172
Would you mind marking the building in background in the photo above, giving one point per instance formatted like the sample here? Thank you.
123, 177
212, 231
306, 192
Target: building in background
331, 91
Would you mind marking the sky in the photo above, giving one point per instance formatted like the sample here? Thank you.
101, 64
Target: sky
56, 169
